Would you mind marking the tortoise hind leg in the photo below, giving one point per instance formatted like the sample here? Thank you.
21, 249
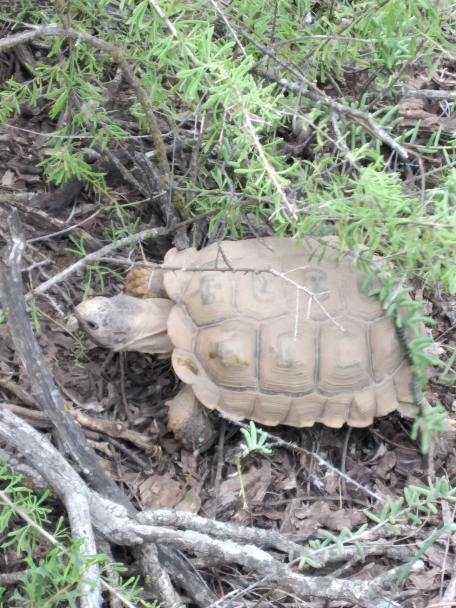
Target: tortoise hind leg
189, 421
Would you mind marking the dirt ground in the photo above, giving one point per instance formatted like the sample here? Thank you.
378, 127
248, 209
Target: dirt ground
288, 491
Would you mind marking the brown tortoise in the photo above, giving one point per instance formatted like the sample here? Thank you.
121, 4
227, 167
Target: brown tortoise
265, 332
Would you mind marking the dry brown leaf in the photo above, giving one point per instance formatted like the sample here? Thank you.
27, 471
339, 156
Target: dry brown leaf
191, 502
255, 482
160, 492
413, 108
437, 556
371, 571
344, 518
309, 518
382, 490
270, 513
289, 483
8, 179
332, 485
426, 580
289, 518
387, 462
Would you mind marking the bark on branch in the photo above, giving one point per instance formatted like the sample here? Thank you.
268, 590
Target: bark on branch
116, 524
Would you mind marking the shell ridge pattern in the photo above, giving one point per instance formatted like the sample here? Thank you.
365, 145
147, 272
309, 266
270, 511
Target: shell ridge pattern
296, 355
376, 402
202, 359
363, 378
252, 407
317, 358
258, 352
371, 361
287, 412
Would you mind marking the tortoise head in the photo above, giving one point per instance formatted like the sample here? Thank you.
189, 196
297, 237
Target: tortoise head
126, 323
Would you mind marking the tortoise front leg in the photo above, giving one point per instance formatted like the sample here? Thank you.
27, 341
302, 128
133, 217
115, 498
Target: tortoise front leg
145, 283
189, 420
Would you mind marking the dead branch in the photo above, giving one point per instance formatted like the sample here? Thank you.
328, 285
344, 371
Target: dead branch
81, 527
115, 523
20, 393
29, 474
380, 540
36, 418
111, 428
65, 482
42, 386
114, 428
44, 389
268, 538
430, 94
116, 53
46, 219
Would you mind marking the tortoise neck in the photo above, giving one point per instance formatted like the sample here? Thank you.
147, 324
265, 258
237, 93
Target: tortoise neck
150, 331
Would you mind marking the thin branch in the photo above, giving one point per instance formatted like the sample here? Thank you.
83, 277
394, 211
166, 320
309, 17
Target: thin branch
342, 143
47, 394
429, 94
133, 239
313, 93
275, 440
313, 297
42, 385
115, 523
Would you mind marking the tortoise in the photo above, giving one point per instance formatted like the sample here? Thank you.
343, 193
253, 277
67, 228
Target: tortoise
260, 330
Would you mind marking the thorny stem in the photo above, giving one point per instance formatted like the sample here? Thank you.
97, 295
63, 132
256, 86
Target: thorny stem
313, 296
286, 444
312, 92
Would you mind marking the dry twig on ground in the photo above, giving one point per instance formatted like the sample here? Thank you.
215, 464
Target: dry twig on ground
49, 398
115, 523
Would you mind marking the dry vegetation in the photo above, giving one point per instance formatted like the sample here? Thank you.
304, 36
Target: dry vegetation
127, 127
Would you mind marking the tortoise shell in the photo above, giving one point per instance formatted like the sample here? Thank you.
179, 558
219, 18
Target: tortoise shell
278, 335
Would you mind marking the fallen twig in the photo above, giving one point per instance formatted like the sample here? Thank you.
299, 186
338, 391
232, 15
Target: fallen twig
42, 386
45, 391
115, 522
62, 228
128, 240
111, 428
115, 53
114, 428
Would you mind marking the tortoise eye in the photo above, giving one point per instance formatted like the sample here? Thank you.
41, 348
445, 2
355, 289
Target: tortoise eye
92, 325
